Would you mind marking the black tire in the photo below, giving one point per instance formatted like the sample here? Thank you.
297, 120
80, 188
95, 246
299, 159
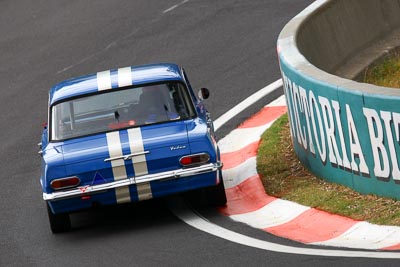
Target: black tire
59, 223
216, 195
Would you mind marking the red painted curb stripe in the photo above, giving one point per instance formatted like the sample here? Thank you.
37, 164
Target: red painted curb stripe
266, 115
395, 247
233, 159
246, 197
313, 226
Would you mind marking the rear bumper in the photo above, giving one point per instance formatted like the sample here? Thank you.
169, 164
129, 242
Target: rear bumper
88, 190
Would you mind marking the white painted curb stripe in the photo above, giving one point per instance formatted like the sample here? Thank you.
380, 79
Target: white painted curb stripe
185, 214
235, 176
275, 213
241, 137
235, 140
364, 235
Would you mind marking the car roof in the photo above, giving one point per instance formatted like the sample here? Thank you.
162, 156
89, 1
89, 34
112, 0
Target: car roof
88, 84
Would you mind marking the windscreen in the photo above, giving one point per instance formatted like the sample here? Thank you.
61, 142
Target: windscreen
117, 109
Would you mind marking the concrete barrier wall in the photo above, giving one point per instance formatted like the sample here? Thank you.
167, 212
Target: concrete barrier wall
343, 131
342, 28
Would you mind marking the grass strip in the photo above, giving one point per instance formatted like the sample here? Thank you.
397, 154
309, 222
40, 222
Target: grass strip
284, 176
386, 74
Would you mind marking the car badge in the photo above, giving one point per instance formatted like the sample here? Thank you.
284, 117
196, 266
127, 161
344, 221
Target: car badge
83, 188
176, 147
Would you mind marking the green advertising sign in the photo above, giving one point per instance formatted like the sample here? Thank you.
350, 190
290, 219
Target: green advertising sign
347, 137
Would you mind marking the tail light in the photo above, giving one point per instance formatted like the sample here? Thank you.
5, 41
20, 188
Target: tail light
194, 159
64, 183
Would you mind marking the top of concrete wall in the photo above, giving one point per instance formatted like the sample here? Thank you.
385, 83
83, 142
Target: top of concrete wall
326, 34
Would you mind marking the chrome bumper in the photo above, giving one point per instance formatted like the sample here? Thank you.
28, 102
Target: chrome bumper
90, 189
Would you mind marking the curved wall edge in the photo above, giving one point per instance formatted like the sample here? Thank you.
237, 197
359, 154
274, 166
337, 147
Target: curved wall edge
342, 131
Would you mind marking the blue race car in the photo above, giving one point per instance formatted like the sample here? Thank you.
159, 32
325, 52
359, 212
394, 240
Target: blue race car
126, 135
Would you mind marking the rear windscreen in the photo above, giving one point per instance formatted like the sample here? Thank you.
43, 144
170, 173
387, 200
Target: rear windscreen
117, 109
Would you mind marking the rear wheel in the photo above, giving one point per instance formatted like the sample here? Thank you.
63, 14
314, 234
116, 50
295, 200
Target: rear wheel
58, 222
216, 195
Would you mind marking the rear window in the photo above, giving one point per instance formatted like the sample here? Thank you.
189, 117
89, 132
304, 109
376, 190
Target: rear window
118, 109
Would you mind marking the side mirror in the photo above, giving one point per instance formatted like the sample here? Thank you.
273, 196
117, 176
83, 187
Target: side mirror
204, 93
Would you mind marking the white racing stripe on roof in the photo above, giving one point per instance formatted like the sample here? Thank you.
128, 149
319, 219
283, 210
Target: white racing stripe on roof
118, 166
104, 80
124, 77
275, 213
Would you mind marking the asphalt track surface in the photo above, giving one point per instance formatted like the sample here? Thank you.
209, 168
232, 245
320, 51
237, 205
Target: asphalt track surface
228, 46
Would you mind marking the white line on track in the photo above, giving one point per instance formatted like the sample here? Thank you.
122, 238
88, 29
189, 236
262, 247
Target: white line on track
246, 103
175, 6
184, 213
178, 207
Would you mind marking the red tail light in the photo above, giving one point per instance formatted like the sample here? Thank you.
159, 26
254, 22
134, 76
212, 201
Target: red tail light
194, 159
63, 183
